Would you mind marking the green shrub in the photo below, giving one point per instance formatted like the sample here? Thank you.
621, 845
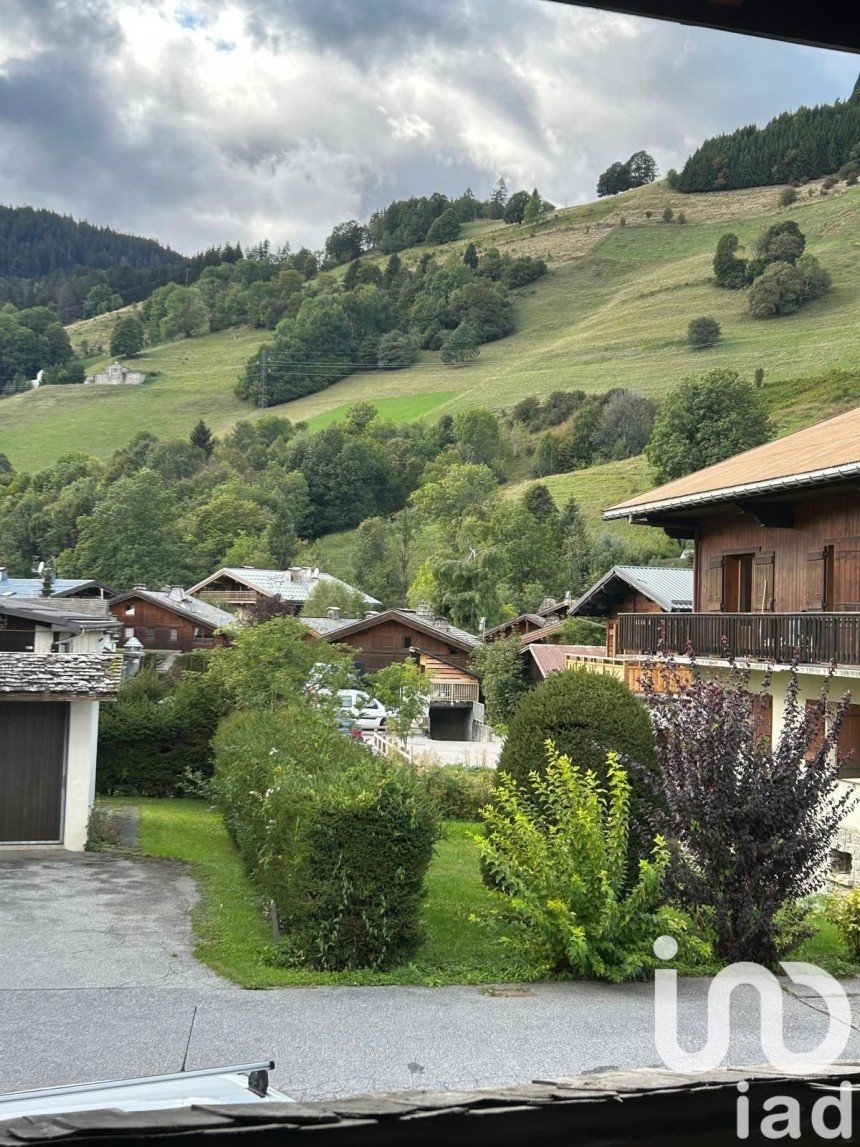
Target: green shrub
787, 196
157, 732
585, 715
459, 792
843, 909
560, 852
339, 839
703, 332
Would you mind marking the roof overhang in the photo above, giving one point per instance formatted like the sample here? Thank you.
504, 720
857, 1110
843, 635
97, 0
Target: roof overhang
645, 512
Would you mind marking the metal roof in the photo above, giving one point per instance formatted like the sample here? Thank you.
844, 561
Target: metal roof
671, 589
325, 625
294, 584
65, 614
32, 586
817, 455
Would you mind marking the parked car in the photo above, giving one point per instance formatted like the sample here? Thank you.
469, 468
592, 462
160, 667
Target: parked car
368, 713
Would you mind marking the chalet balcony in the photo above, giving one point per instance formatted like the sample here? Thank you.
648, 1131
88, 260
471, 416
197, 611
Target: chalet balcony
813, 638
225, 597
453, 692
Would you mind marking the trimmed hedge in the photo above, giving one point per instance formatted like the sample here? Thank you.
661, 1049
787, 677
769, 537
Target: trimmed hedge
339, 839
158, 731
585, 715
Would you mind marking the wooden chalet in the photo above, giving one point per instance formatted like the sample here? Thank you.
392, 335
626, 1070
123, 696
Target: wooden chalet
169, 620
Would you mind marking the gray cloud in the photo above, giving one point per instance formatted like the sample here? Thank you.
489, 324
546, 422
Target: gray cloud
213, 121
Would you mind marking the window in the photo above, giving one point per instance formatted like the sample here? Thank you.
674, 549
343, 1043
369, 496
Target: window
128, 631
848, 748
129, 611
174, 635
407, 642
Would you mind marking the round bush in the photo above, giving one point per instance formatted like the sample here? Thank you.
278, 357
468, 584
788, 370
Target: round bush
703, 332
585, 715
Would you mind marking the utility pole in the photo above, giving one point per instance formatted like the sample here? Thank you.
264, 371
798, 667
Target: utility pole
264, 370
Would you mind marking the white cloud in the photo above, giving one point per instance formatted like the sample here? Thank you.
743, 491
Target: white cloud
206, 120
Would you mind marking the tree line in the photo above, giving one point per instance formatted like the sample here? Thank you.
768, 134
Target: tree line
793, 147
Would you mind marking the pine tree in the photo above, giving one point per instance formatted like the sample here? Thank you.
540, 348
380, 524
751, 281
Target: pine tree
470, 256
201, 437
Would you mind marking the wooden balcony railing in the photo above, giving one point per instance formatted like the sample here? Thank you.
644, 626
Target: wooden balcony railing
814, 638
454, 692
222, 597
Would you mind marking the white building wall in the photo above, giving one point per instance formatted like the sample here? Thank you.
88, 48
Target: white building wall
80, 772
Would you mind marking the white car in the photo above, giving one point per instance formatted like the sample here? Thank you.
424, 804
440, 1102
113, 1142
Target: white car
368, 713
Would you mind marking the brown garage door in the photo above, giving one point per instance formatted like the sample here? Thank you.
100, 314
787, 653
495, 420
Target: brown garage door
32, 757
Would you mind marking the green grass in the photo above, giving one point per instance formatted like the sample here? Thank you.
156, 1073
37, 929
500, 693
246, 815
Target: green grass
397, 410
612, 312
231, 929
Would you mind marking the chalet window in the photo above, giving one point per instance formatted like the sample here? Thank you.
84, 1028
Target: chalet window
762, 583
129, 631
845, 578
174, 635
453, 652
763, 717
129, 611
407, 642
714, 586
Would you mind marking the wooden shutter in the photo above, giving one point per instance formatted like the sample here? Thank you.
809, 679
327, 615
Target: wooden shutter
819, 731
762, 583
714, 586
846, 575
763, 717
815, 566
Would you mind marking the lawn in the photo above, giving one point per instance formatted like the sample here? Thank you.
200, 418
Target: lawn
463, 945
613, 311
397, 410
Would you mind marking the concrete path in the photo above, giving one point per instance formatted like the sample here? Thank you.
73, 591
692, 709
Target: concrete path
97, 981
484, 754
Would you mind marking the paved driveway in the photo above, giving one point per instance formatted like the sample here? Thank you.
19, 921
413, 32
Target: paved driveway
92, 920
97, 981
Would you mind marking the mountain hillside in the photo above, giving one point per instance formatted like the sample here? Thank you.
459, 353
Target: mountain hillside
613, 311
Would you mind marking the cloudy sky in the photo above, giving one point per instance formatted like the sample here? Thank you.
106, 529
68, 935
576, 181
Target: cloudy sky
211, 120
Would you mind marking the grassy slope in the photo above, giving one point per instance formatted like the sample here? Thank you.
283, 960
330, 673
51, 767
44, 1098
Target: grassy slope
612, 312
232, 934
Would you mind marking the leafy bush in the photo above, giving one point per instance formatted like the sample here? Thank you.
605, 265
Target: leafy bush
585, 715
703, 332
459, 792
339, 839
787, 196
560, 852
784, 287
843, 908
750, 824
503, 682
157, 732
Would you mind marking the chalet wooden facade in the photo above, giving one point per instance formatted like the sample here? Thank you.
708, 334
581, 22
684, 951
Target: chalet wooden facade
776, 574
381, 639
169, 620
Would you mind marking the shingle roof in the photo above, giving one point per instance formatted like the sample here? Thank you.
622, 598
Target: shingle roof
326, 625
188, 607
61, 674
553, 658
294, 584
813, 456
671, 589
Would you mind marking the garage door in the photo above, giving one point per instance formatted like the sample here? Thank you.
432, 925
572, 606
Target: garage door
32, 757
